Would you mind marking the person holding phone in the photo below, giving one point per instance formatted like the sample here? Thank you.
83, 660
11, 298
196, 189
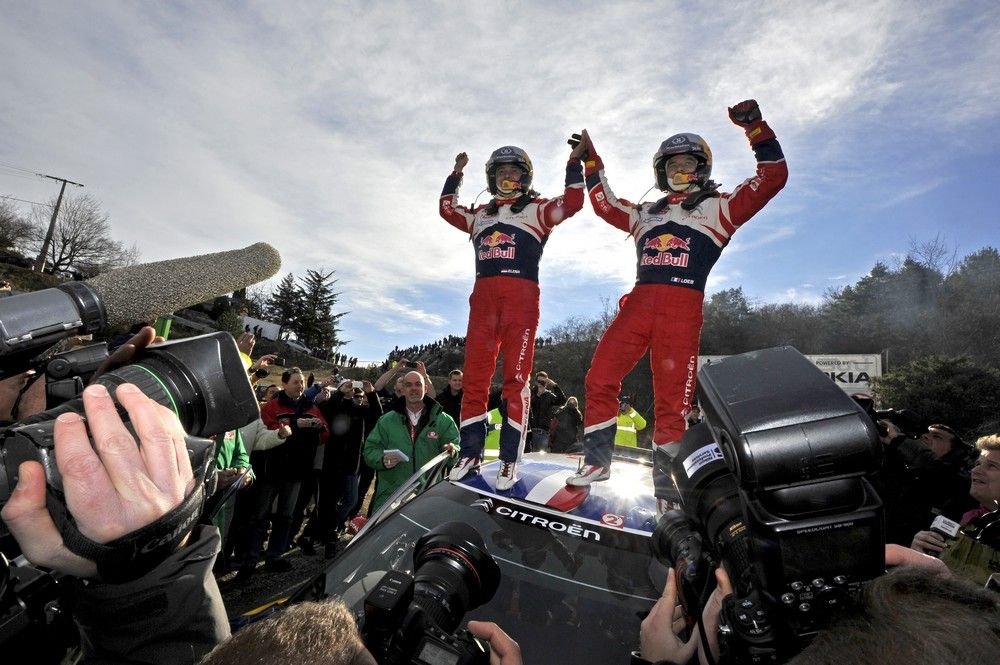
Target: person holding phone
390, 384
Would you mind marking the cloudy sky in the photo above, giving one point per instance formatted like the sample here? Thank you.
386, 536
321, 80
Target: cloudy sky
327, 128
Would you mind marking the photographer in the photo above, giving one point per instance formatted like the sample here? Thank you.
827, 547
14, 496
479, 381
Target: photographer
171, 614
922, 478
394, 376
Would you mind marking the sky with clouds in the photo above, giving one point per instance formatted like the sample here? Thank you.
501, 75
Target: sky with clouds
326, 128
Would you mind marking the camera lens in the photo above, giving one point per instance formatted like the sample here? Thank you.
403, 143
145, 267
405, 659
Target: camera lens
712, 500
453, 573
200, 378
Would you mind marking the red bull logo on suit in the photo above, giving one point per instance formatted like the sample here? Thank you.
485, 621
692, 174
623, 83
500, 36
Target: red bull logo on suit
662, 245
493, 246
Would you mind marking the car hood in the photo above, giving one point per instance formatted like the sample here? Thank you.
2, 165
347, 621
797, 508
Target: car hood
624, 501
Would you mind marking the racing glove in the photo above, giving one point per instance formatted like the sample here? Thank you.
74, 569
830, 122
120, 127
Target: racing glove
591, 160
746, 114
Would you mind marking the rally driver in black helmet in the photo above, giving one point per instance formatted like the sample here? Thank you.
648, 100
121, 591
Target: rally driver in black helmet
678, 240
508, 235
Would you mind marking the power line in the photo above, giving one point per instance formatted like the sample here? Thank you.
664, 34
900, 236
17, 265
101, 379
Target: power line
26, 176
14, 198
17, 168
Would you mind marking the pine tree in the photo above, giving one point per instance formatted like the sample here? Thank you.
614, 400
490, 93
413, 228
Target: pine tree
285, 305
316, 324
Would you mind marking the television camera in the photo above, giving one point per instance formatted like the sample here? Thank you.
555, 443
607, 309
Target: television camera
202, 379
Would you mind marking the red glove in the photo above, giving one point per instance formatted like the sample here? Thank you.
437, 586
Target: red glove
746, 114
591, 160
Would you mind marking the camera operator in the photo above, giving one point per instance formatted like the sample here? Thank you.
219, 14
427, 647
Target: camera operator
173, 613
922, 478
290, 636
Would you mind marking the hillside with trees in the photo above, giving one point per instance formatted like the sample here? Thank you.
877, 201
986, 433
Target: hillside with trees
935, 320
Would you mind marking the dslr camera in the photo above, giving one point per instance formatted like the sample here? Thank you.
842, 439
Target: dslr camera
773, 487
413, 618
202, 379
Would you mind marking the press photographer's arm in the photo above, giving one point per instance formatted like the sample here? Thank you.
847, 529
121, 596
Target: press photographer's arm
174, 613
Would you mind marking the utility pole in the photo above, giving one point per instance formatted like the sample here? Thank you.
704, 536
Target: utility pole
40, 261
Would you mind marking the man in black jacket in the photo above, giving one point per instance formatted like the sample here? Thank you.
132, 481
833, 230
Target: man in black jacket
922, 478
546, 396
351, 413
450, 398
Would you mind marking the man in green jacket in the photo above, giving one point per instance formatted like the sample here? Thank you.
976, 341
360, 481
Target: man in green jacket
410, 434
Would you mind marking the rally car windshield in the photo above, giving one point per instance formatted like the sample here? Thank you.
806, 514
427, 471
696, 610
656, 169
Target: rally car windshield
570, 588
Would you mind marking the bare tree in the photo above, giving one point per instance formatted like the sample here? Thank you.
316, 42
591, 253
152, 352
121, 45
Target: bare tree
935, 254
15, 230
255, 300
81, 241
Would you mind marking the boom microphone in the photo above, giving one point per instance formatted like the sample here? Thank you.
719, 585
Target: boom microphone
31, 322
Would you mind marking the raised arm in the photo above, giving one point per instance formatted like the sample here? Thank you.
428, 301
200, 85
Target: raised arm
619, 213
458, 216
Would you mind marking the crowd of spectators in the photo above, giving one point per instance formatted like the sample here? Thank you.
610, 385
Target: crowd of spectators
300, 474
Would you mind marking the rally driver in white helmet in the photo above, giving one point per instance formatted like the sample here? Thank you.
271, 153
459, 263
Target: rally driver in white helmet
678, 240
508, 235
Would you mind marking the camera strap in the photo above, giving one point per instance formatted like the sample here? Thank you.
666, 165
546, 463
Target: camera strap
133, 555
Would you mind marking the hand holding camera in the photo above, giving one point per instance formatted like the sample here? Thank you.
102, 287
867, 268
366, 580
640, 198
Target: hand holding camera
100, 488
308, 423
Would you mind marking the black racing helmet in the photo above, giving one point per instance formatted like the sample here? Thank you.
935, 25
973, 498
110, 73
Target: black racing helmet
509, 154
682, 144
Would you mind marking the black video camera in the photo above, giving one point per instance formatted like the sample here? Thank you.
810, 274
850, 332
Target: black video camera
203, 380
412, 619
773, 487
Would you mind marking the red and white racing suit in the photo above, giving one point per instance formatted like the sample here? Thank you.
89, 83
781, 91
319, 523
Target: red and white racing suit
503, 307
675, 251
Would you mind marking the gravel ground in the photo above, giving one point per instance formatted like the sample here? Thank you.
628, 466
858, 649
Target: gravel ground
264, 587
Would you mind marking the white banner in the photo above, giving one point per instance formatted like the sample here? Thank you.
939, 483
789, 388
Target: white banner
852, 372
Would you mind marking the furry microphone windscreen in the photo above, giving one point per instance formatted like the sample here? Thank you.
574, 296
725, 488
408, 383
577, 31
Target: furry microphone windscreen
145, 292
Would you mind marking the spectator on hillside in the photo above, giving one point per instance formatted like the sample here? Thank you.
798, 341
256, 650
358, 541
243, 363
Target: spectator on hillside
694, 416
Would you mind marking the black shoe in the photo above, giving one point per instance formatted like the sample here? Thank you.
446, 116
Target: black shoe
306, 544
278, 566
331, 550
244, 574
